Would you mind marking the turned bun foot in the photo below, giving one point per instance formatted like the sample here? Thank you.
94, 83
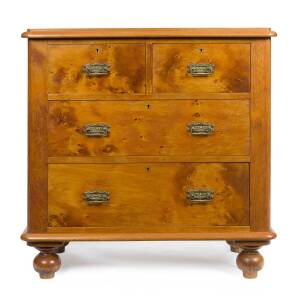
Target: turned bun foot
250, 262
46, 264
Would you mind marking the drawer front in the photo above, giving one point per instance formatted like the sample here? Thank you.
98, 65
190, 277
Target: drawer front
145, 195
173, 127
194, 68
96, 68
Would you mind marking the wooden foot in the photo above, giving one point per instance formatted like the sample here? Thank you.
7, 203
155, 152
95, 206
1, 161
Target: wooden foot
249, 260
234, 247
47, 262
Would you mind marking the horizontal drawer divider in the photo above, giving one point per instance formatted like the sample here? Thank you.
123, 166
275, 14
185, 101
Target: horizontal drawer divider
133, 97
147, 159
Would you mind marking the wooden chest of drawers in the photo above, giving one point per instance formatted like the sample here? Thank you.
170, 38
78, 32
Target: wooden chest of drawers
149, 134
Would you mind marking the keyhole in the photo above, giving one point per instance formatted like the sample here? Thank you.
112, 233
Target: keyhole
148, 106
97, 50
201, 50
148, 169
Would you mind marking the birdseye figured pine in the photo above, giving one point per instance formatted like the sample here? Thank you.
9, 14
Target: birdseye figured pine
146, 195
126, 68
231, 68
148, 128
149, 161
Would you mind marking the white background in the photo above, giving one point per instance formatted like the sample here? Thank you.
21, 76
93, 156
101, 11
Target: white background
150, 270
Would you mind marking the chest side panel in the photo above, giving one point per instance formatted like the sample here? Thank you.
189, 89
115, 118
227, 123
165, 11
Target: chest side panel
37, 136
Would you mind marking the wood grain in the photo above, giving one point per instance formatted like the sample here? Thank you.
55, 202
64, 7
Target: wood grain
148, 97
145, 159
127, 68
149, 161
148, 195
260, 135
249, 260
47, 262
37, 136
231, 61
174, 233
148, 128
147, 33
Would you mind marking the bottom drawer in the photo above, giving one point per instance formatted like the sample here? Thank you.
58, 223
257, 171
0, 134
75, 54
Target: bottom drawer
146, 195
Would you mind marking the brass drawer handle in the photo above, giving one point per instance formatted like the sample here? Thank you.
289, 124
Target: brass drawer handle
96, 69
200, 69
96, 129
199, 196
96, 197
200, 128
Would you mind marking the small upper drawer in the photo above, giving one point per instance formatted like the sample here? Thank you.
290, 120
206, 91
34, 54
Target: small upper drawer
97, 68
194, 68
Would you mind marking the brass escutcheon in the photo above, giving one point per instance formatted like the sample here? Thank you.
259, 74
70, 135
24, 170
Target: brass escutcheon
96, 69
200, 128
200, 196
96, 197
96, 129
200, 69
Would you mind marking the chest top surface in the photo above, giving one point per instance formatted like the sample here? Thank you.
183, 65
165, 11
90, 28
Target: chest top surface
149, 33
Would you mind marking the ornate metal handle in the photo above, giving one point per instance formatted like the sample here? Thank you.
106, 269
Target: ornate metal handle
200, 69
200, 128
96, 197
96, 69
199, 196
96, 129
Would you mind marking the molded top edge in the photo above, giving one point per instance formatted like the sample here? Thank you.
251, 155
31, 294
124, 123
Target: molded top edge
149, 33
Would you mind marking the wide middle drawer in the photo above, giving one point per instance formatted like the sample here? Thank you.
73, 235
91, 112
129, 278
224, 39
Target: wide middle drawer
173, 127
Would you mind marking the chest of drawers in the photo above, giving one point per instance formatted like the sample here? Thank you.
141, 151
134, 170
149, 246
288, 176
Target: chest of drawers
149, 134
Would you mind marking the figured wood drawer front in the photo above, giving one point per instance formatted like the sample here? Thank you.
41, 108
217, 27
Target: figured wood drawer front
96, 68
148, 128
194, 68
153, 194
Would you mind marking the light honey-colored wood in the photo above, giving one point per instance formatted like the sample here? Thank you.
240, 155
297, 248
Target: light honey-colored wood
37, 136
148, 128
109, 234
260, 135
148, 33
148, 97
149, 160
145, 195
231, 61
126, 61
